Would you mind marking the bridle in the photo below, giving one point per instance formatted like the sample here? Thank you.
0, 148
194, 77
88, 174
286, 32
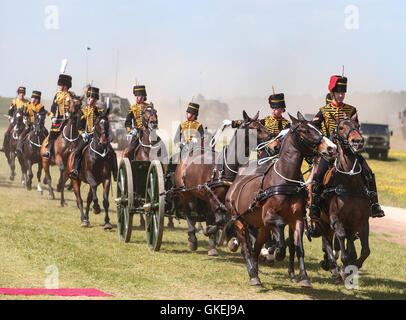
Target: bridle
313, 146
344, 140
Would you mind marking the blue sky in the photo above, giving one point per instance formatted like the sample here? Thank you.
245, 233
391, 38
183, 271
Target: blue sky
223, 48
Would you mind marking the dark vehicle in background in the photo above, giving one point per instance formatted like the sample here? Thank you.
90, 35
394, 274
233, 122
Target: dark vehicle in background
119, 108
377, 140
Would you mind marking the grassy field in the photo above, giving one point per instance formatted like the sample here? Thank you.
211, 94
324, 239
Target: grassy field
36, 233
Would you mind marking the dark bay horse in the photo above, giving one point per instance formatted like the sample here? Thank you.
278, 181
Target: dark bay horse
11, 148
96, 168
345, 209
64, 145
218, 170
270, 199
32, 147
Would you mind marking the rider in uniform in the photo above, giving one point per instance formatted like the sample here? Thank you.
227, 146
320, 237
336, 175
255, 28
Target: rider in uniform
133, 121
34, 107
324, 121
16, 104
59, 109
274, 123
190, 130
86, 120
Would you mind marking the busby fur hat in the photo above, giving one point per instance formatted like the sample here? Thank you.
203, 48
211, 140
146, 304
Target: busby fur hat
65, 80
93, 92
139, 91
193, 108
337, 84
277, 101
21, 90
36, 94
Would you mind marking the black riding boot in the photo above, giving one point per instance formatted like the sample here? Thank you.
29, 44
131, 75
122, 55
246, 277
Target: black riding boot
133, 145
315, 207
50, 147
20, 145
376, 210
74, 174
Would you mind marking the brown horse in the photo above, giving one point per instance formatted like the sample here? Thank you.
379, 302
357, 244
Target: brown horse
32, 146
11, 148
345, 210
64, 144
215, 171
271, 198
150, 145
96, 168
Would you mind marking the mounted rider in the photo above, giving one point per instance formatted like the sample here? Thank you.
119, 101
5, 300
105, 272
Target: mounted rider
324, 120
274, 123
190, 131
59, 111
18, 103
86, 120
133, 121
34, 107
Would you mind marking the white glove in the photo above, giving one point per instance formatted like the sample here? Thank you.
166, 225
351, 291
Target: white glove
25, 121
84, 136
53, 120
66, 115
12, 120
133, 131
227, 123
194, 141
18, 115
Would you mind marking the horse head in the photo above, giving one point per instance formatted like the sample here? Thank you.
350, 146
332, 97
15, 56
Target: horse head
101, 128
150, 119
311, 140
75, 105
348, 134
39, 122
262, 133
18, 120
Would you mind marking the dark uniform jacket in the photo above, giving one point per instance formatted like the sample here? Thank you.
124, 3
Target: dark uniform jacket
273, 125
134, 116
87, 118
326, 123
188, 130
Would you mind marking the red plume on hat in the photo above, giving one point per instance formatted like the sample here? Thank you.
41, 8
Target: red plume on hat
333, 82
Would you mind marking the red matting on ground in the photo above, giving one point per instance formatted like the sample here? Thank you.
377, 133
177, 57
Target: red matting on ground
54, 292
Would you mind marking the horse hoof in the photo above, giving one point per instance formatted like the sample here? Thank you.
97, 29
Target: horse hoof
293, 279
85, 224
96, 210
213, 253
192, 245
108, 226
305, 284
41, 192
171, 225
64, 204
11, 178
255, 282
233, 244
29, 188
51, 197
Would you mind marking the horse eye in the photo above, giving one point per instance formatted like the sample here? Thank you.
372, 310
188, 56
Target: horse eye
340, 128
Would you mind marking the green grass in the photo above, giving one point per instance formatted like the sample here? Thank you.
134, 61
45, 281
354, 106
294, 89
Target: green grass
36, 232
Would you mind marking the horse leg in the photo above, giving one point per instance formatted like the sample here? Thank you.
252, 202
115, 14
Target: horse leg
280, 249
365, 251
93, 185
23, 169
210, 220
48, 180
338, 228
352, 251
12, 166
28, 166
263, 234
39, 172
246, 251
106, 189
76, 189
291, 269
88, 202
298, 239
331, 261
